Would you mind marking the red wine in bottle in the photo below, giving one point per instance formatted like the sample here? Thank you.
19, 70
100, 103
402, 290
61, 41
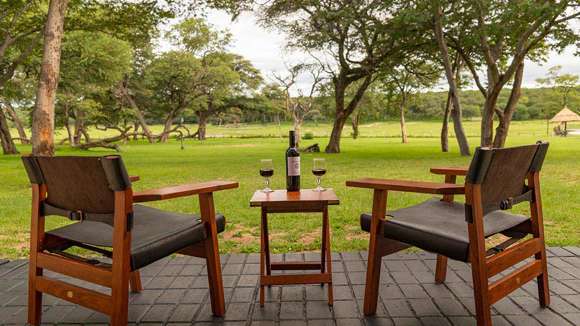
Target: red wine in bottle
292, 165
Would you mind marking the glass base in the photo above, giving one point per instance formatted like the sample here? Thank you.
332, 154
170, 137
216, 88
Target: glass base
319, 189
267, 190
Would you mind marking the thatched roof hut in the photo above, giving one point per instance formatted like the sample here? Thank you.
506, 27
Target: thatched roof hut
566, 115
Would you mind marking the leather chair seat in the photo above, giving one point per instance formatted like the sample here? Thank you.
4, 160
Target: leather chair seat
440, 227
155, 233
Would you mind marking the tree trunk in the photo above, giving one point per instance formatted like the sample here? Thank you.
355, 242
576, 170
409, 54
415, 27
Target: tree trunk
487, 120
201, 125
77, 127
67, 124
138, 114
334, 142
17, 123
136, 132
166, 129
339, 118
355, 121
69, 134
297, 124
505, 120
453, 90
8, 146
404, 139
456, 116
343, 113
445, 126
43, 116
85, 133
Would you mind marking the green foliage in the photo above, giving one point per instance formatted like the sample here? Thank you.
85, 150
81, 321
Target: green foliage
198, 37
308, 135
173, 80
91, 65
93, 61
216, 81
563, 84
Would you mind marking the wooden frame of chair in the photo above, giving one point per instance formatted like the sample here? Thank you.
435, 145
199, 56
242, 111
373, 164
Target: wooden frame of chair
119, 276
483, 267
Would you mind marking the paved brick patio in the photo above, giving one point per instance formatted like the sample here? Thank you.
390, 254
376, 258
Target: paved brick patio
176, 294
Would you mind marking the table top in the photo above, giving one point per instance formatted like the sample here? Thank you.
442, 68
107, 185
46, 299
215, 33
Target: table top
303, 196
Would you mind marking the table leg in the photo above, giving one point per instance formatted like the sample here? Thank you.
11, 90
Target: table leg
326, 223
266, 241
262, 256
324, 244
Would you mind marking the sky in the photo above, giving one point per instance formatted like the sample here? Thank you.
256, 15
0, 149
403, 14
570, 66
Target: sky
266, 50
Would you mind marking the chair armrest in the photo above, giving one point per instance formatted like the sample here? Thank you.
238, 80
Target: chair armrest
408, 186
134, 178
449, 170
182, 191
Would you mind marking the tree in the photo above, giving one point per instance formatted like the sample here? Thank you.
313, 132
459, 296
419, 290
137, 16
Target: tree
564, 84
360, 39
410, 76
229, 78
18, 124
301, 106
225, 76
8, 146
274, 98
21, 23
43, 117
451, 74
92, 65
496, 37
175, 80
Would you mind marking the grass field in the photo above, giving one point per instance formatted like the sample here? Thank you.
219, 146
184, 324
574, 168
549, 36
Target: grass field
378, 153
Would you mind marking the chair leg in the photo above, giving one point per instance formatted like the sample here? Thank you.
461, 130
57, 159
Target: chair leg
121, 268
216, 287
120, 296
482, 306
36, 238
538, 232
543, 288
441, 269
120, 314
477, 257
214, 269
375, 253
135, 282
372, 284
34, 298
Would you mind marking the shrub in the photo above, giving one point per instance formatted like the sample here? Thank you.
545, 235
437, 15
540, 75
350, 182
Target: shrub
308, 135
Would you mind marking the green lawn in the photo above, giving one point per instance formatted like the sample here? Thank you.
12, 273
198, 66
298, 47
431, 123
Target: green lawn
378, 153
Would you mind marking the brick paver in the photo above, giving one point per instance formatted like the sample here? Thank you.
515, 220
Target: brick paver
176, 293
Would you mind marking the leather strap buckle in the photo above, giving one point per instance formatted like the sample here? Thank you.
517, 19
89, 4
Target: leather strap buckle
77, 215
506, 204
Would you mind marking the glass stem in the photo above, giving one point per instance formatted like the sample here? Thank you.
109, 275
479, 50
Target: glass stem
317, 181
267, 182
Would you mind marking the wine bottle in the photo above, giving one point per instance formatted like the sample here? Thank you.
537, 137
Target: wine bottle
292, 165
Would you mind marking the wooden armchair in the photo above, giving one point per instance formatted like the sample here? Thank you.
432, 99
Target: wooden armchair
96, 192
496, 180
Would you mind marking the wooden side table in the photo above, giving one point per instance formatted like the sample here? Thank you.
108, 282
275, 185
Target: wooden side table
304, 201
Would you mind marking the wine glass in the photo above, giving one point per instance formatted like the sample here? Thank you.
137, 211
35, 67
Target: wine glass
266, 171
319, 169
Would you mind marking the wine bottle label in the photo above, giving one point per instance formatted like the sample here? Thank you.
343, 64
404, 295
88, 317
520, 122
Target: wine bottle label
294, 166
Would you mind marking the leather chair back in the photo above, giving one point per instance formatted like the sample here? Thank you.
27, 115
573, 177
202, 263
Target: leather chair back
502, 173
79, 184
